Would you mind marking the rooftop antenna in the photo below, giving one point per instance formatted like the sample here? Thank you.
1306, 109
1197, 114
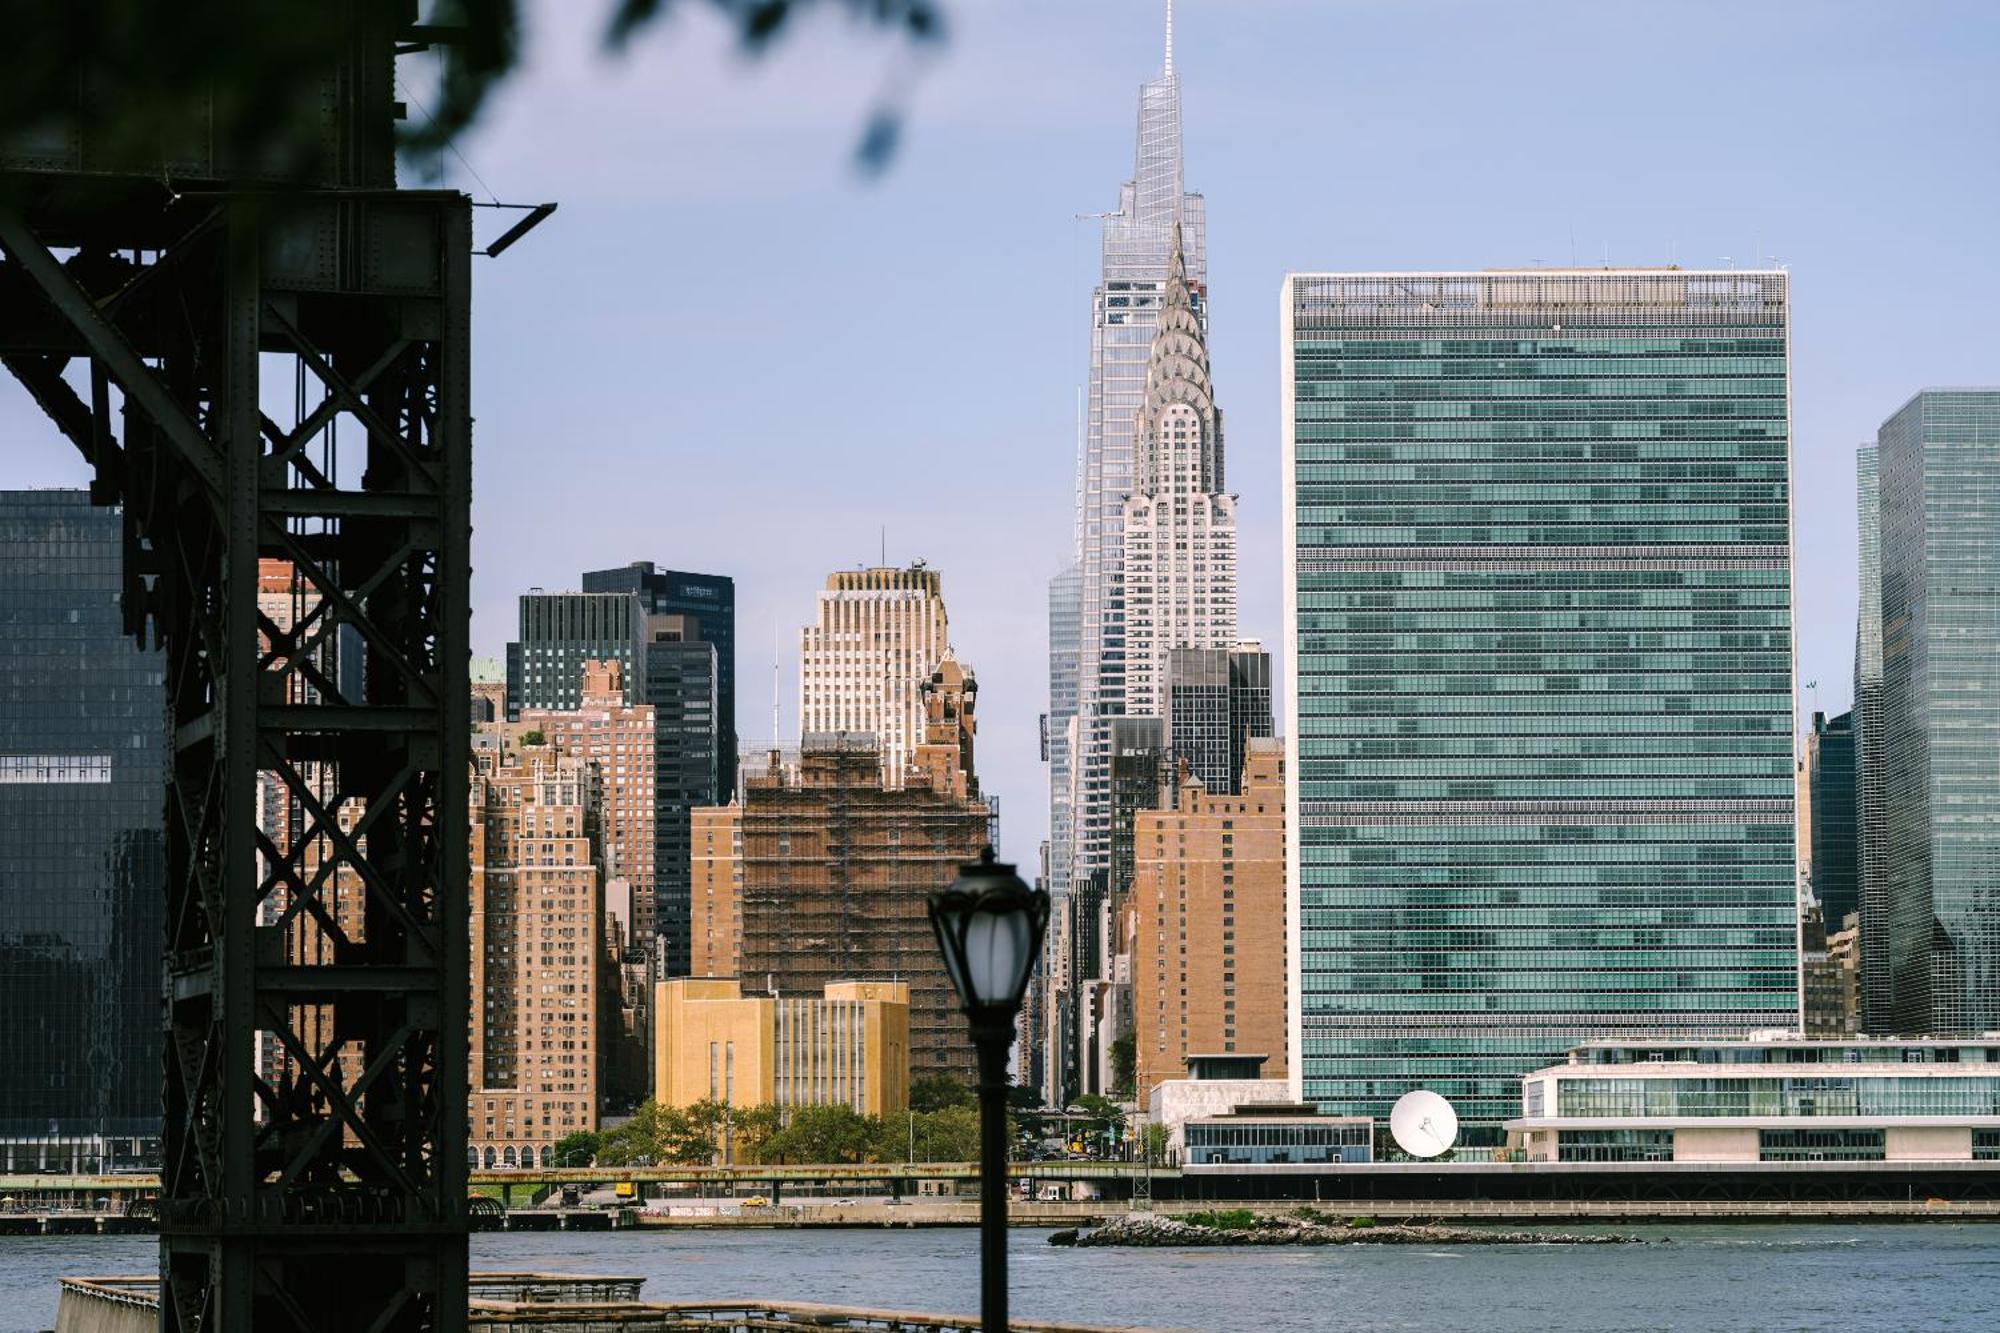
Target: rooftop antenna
777, 724
1169, 71
885, 546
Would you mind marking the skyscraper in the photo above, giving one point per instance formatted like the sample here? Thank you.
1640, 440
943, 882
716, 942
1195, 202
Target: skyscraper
1059, 728
710, 599
82, 850
558, 633
1142, 778
880, 634
1830, 778
1180, 526
1217, 700
1870, 756
1932, 756
1208, 939
616, 739
537, 955
1538, 607
1138, 246
679, 675
664, 662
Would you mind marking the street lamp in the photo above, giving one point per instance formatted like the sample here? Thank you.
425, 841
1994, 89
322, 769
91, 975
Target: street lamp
989, 927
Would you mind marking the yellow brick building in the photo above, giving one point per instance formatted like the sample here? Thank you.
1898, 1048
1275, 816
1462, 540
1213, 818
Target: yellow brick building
848, 1047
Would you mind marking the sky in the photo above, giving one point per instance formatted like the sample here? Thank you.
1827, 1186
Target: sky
732, 351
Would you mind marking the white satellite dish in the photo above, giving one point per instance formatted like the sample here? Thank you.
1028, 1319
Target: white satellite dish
1423, 1123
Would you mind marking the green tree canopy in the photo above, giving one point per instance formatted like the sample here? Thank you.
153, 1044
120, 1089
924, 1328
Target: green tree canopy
578, 1149
1124, 1057
936, 1092
824, 1134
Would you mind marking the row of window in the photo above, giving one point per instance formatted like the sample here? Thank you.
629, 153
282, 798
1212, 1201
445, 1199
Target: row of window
1795, 1096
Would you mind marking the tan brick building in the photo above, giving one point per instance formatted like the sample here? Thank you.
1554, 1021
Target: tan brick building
537, 954
616, 739
848, 1046
715, 892
1207, 924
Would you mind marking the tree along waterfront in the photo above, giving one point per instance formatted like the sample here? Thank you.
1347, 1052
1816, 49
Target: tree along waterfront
940, 1125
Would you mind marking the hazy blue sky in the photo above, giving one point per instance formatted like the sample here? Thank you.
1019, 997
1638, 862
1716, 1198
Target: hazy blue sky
728, 352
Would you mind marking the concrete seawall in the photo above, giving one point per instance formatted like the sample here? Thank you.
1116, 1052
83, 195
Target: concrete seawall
966, 1213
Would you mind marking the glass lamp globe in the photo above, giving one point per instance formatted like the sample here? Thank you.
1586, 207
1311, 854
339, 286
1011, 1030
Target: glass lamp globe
989, 927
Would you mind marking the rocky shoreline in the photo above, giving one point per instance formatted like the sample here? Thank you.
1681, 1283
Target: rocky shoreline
1306, 1227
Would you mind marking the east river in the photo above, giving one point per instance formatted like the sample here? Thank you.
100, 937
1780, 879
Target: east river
1879, 1278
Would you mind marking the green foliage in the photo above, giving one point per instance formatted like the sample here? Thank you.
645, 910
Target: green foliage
1360, 1223
1102, 1108
1153, 1143
534, 738
655, 1135
578, 1149
938, 1092
818, 1134
709, 1133
949, 1135
1124, 1063
1230, 1219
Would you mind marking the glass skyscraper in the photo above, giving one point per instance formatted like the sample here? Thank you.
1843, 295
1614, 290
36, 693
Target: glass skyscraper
1125, 307
1538, 606
1931, 748
1830, 775
83, 774
710, 599
1870, 833
1217, 699
1059, 727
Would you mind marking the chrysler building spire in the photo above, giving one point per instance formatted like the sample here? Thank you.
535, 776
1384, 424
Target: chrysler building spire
1180, 528
1176, 448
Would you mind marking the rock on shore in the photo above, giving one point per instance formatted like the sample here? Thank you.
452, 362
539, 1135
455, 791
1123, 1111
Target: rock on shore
1148, 1229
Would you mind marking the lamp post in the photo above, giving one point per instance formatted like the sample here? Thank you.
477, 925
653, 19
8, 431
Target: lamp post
989, 927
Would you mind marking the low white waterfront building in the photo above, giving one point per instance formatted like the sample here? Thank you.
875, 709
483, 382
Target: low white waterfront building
1215, 1086
1759, 1100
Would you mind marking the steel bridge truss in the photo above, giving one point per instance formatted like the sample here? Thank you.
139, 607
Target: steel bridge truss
283, 377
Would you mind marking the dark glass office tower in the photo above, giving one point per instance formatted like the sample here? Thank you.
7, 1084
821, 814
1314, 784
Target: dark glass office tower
682, 680
1141, 779
1217, 699
559, 633
1830, 778
711, 600
82, 855
1932, 731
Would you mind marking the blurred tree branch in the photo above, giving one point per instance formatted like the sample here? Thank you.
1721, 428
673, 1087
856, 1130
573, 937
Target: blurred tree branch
131, 73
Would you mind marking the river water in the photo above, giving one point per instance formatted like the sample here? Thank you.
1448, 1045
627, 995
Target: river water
1881, 1278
